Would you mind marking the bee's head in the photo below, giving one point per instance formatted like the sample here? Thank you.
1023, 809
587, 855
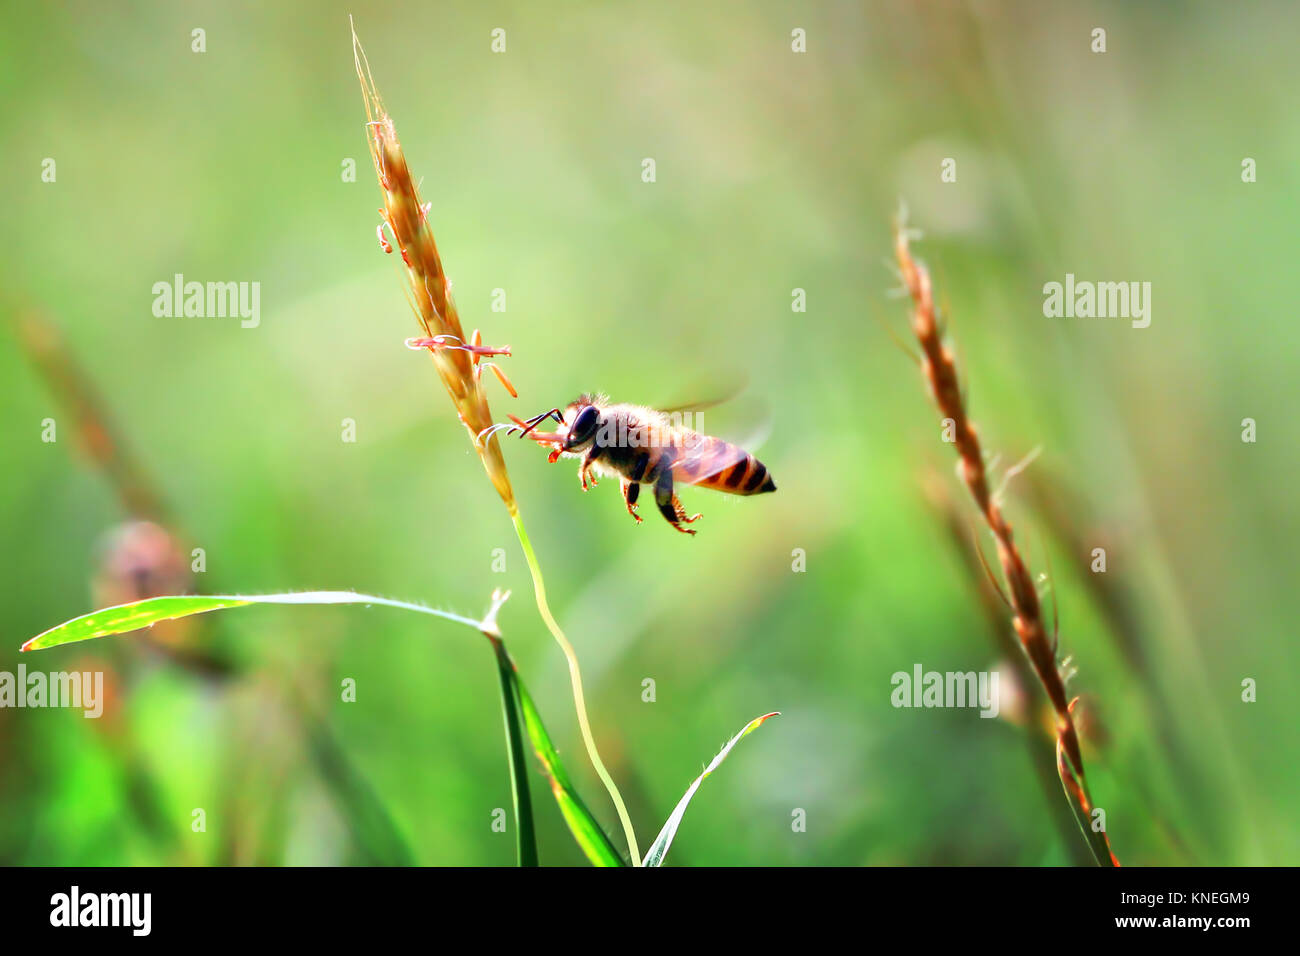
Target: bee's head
581, 421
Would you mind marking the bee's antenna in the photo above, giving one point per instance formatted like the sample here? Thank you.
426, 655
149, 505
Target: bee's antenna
527, 425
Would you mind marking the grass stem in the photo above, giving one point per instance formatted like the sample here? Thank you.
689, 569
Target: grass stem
575, 678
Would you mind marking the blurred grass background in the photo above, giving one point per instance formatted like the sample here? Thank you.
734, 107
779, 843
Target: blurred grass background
775, 171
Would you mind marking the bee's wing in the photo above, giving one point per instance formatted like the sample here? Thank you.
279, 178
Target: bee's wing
741, 420
745, 423
720, 389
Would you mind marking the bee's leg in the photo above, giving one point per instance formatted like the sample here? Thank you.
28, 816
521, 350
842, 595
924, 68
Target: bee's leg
639, 466
669, 505
630, 491
584, 470
681, 512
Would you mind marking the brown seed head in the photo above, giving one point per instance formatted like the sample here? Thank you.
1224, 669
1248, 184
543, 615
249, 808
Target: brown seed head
939, 367
457, 361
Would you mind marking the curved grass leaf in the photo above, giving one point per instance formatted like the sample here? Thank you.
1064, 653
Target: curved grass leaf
593, 841
659, 849
363, 807
525, 837
132, 617
591, 838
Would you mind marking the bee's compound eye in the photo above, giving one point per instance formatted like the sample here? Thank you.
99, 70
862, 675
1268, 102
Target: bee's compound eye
584, 426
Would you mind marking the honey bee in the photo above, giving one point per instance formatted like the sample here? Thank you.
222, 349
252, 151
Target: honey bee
642, 446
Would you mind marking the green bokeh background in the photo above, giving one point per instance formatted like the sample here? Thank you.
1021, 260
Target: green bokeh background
775, 171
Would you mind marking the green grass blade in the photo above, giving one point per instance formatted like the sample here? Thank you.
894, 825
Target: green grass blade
592, 840
525, 837
659, 849
131, 617
376, 838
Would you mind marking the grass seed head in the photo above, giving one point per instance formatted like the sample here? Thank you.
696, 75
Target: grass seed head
457, 359
939, 367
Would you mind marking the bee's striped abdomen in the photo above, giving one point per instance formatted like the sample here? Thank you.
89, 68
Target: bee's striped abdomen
723, 466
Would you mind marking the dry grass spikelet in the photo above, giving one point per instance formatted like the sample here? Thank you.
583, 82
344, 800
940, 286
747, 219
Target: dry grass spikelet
459, 360
940, 370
